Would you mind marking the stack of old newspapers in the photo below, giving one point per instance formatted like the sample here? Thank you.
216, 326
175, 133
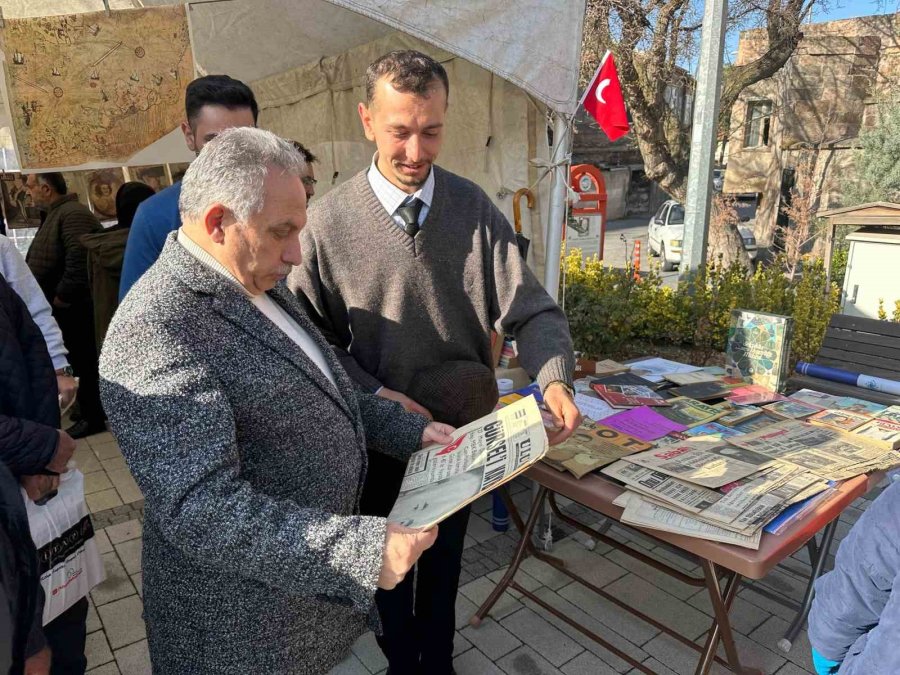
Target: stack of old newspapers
727, 489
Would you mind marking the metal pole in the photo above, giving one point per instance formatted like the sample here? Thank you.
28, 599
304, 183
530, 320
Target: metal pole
703, 136
562, 143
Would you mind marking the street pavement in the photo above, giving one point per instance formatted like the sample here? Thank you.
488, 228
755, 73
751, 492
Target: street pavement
619, 243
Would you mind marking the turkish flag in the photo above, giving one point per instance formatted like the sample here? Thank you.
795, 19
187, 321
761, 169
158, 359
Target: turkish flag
603, 100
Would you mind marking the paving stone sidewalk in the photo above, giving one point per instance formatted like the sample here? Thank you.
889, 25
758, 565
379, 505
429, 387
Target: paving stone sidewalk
519, 637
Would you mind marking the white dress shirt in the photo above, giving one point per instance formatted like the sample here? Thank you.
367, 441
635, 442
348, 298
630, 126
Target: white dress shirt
392, 197
271, 309
18, 275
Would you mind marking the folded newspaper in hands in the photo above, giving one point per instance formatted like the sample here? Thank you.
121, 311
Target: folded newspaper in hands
485, 454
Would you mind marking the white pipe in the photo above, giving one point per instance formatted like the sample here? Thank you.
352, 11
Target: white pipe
562, 142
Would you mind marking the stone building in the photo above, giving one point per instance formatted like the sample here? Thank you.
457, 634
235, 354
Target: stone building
808, 116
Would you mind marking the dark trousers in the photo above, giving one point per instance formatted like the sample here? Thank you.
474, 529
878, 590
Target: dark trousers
419, 615
77, 326
66, 636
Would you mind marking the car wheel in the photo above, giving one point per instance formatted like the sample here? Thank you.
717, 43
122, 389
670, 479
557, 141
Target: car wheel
667, 265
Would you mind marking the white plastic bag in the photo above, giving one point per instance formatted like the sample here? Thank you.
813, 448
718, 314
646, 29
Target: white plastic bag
67, 550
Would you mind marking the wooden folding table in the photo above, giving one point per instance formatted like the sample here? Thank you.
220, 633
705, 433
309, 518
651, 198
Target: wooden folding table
723, 565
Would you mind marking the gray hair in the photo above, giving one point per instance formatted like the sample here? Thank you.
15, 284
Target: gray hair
231, 170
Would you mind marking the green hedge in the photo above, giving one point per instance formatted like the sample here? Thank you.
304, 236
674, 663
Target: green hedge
609, 310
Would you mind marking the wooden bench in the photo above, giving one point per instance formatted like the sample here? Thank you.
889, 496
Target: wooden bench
860, 345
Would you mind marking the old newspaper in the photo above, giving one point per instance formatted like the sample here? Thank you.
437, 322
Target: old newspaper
645, 513
705, 461
825, 451
744, 506
440, 480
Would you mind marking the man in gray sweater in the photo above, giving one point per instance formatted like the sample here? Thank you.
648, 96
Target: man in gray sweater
406, 267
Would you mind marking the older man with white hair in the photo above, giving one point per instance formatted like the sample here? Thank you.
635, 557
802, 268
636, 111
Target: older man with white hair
247, 437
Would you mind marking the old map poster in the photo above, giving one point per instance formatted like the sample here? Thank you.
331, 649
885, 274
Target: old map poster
92, 87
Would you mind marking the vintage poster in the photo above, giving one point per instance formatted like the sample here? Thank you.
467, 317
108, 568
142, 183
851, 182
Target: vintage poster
95, 87
177, 171
155, 177
17, 205
102, 186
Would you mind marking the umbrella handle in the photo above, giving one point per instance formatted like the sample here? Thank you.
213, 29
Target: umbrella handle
517, 210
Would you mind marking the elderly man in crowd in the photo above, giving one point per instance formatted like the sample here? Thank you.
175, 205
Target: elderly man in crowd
247, 437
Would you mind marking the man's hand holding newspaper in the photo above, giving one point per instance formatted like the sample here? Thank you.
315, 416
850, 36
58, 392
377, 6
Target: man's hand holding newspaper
479, 457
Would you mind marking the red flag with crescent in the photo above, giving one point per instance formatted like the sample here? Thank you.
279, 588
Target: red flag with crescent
604, 101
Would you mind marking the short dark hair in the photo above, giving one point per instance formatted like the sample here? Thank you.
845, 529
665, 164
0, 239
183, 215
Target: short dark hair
409, 71
218, 90
308, 157
55, 180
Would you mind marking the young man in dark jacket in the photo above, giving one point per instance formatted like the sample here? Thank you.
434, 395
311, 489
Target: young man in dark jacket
58, 260
35, 451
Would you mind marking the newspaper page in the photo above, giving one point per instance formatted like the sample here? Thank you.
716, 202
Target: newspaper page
641, 512
744, 506
692, 498
827, 452
709, 462
440, 480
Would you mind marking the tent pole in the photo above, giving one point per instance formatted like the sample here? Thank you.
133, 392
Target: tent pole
559, 159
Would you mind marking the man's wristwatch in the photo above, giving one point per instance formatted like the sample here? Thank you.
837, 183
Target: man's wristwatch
564, 386
66, 370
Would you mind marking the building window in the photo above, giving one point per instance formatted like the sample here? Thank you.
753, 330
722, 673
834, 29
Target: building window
759, 124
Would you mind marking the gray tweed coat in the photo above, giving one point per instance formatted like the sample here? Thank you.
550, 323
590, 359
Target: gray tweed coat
251, 464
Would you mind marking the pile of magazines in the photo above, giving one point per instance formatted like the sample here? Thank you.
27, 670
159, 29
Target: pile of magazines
728, 466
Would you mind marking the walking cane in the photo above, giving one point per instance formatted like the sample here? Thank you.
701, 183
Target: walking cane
521, 241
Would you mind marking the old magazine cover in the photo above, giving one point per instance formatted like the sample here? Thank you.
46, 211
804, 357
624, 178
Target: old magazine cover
440, 480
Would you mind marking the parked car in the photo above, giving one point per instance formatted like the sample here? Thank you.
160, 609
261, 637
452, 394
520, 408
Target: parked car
718, 179
665, 234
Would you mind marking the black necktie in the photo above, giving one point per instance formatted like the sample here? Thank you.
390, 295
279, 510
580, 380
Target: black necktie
409, 213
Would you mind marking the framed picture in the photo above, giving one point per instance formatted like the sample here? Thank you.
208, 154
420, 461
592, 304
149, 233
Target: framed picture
17, 205
176, 171
154, 176
102, 187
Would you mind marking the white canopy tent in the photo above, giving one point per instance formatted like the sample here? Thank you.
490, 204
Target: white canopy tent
513, 64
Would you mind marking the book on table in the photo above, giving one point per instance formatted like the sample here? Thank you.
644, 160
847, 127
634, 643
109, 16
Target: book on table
628, 396
625, 378
791, 410
845, 420
592, 446
885, 431
690, 412
758, 347
738, 414
588, 368
704, 391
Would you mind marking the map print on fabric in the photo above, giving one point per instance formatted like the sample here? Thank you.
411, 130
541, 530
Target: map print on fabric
92, 87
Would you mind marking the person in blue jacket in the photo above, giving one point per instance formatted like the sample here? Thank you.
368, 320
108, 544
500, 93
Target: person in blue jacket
212, 104
854, 624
